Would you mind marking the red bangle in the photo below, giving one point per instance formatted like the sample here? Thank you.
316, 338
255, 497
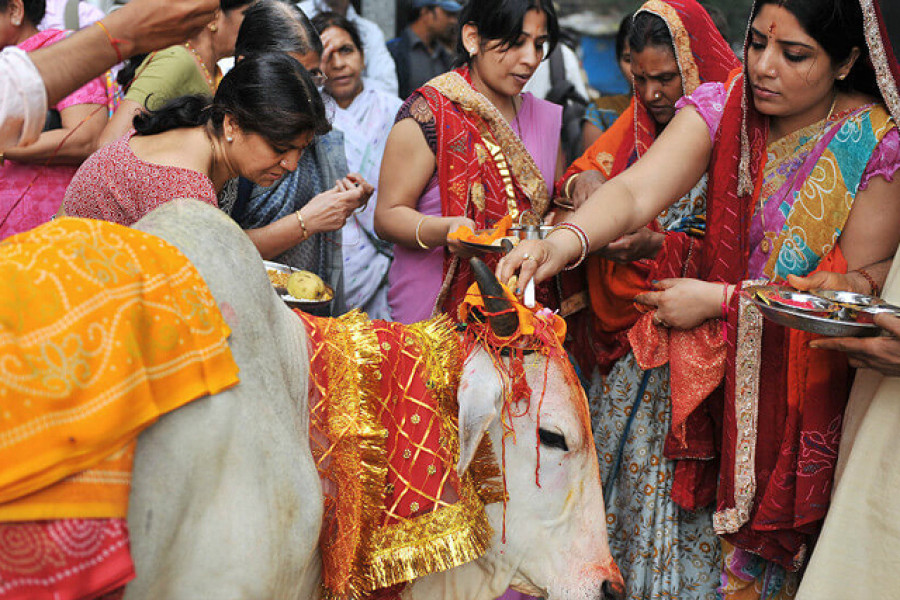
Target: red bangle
114, 42
873, 287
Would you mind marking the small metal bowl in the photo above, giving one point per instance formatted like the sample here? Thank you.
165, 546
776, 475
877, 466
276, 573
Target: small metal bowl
530, 232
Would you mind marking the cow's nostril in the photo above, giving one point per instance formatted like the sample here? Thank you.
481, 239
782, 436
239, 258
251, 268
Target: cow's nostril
612, 591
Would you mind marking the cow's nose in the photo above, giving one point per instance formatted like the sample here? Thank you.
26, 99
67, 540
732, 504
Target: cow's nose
612, 591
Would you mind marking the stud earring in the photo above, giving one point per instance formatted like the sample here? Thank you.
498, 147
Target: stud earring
841, 76
213, 27
229, 139
16, 22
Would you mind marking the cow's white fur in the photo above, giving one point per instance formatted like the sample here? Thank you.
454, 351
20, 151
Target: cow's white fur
226, 502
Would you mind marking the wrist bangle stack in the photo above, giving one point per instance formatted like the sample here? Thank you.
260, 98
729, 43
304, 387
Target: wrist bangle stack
303, 228
582, 239
419, 241
874, 290
566, 191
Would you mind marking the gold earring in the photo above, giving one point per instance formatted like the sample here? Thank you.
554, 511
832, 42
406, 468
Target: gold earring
213, 27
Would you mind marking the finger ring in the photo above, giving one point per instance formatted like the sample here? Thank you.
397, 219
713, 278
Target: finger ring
526, 256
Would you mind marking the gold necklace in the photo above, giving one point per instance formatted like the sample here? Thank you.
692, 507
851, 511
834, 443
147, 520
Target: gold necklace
206, 73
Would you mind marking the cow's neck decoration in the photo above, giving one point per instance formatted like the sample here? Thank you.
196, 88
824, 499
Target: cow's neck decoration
538, 330
384, 434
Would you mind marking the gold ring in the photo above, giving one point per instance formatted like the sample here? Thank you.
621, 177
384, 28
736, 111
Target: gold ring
526, 256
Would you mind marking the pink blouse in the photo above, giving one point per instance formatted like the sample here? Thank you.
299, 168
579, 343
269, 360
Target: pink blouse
709, 100
113, 184
32, 192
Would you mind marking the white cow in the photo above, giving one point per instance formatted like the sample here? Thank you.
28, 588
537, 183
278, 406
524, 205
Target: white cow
226, 502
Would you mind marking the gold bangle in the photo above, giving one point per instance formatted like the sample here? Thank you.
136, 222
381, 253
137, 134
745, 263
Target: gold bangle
418, 239
302, 226
2, 159
566, 191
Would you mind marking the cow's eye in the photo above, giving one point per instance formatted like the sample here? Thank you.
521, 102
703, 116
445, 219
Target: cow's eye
551, 439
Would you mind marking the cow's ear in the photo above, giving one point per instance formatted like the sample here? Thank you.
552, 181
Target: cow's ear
480, 398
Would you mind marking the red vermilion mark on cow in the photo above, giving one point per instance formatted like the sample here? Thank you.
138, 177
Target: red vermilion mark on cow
229, 314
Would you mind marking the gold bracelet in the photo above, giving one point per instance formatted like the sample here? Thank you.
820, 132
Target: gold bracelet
566, 191
2, 159
418, 239
302, 226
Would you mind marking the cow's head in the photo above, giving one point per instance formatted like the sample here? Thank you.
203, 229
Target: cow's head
553, 542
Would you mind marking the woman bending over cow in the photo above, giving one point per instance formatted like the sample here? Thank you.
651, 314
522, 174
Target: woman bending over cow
263, 116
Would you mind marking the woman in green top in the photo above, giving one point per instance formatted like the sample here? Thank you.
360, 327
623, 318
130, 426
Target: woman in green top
179, 70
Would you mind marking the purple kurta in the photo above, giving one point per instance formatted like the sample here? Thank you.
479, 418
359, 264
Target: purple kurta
415, 276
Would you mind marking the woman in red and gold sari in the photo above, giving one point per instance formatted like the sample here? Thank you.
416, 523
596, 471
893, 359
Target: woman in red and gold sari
468, 149
801, 152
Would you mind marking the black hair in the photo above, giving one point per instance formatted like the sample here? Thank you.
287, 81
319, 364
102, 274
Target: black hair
276, 26
501, 21
268, 94
232, 4
837, 26
324, 20
34, 9
622, 35
648, 29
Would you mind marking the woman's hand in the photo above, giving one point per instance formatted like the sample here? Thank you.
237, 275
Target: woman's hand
827, 280
643, 243
355, 180
879, 353
452, 224
586, 183
684, 303
539, 259
329, 210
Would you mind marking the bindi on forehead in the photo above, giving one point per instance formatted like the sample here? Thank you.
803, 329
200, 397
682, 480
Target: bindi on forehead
772, 29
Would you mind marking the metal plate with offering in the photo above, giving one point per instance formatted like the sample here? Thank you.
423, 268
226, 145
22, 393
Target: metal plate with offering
279, 275
812, 312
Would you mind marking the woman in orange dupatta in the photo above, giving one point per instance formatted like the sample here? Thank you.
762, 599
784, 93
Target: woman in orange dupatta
675, 48
802, 151
468, 149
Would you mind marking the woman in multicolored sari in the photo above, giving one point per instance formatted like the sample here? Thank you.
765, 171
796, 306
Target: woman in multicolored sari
662, 550
801, 152
468, 149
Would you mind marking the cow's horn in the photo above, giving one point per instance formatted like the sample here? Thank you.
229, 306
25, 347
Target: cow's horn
502, 316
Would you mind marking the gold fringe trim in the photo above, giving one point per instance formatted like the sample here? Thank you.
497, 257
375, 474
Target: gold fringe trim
358, 458
437, 541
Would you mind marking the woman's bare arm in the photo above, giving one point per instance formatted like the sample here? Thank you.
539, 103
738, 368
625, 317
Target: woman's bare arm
627, 202
406, 169
81, 125
120, 123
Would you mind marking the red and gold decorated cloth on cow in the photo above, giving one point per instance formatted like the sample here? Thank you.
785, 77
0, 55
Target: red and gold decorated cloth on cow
103, 328
384, 434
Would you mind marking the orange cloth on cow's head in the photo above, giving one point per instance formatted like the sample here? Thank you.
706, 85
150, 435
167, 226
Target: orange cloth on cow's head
103, 328
532, 321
